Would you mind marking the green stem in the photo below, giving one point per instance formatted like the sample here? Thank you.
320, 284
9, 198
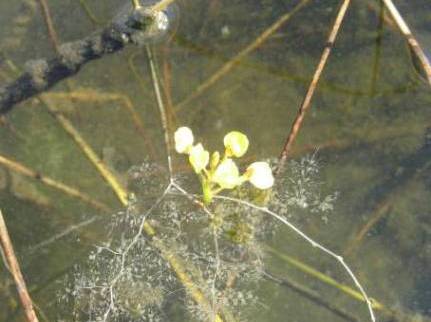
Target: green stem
207, 191
136, 4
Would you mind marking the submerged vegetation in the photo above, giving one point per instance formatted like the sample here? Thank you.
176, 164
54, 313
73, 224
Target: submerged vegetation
109, 224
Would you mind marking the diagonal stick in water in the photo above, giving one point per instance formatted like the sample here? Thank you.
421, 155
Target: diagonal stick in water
13, 266
306, 103
71, 191
161, 106
96, 96
49, 25
411, 40
228, 66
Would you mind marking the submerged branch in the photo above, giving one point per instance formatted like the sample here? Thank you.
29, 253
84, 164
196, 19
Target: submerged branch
68, 190
11, 263
42, 74
306, 103
414, 46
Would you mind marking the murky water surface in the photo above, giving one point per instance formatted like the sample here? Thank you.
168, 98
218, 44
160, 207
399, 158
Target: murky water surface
358, 179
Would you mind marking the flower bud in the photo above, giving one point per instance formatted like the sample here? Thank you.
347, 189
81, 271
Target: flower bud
260, 175
226, 175
183, 138
198, 157
236, 144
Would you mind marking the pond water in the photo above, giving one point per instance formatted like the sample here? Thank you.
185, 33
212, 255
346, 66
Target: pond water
357, 181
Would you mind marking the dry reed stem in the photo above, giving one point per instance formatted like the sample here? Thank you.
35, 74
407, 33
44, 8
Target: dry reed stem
167, 88
306, 103
49, 24
161, 106
92, 95
101, 167
413, 43
169, 109
73, 192
228, 66
13, 267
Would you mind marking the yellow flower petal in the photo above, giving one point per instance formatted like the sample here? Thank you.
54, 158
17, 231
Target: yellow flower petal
226, 175
183, 138
260, 175
198, 157
236, 144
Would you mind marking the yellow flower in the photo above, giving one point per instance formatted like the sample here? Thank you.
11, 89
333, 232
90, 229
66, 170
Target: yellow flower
226, 175
236, 144
260, 175
198, 157
183, 139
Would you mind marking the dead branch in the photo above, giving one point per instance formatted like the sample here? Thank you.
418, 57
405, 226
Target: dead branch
306, 103
13, 266
42, 74
415, 47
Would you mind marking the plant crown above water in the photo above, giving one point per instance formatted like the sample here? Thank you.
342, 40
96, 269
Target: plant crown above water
216, 173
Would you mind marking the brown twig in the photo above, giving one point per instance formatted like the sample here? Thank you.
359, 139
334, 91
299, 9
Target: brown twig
49, 25
93, 95
312, 87
414, 45
228, 66
13, 267
73, 192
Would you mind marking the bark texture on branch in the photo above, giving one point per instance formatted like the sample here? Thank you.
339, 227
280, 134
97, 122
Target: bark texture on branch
42, 74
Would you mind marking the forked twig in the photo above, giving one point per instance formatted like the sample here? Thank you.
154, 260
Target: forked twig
13, 267
411, 40
228, 66
306, 103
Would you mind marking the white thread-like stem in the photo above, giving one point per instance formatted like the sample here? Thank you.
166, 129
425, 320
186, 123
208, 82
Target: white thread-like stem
313, 243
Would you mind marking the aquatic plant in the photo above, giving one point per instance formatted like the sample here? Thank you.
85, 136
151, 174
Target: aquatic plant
209, 240
222, 172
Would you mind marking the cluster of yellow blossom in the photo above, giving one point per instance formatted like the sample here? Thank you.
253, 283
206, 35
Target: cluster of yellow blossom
222, 173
